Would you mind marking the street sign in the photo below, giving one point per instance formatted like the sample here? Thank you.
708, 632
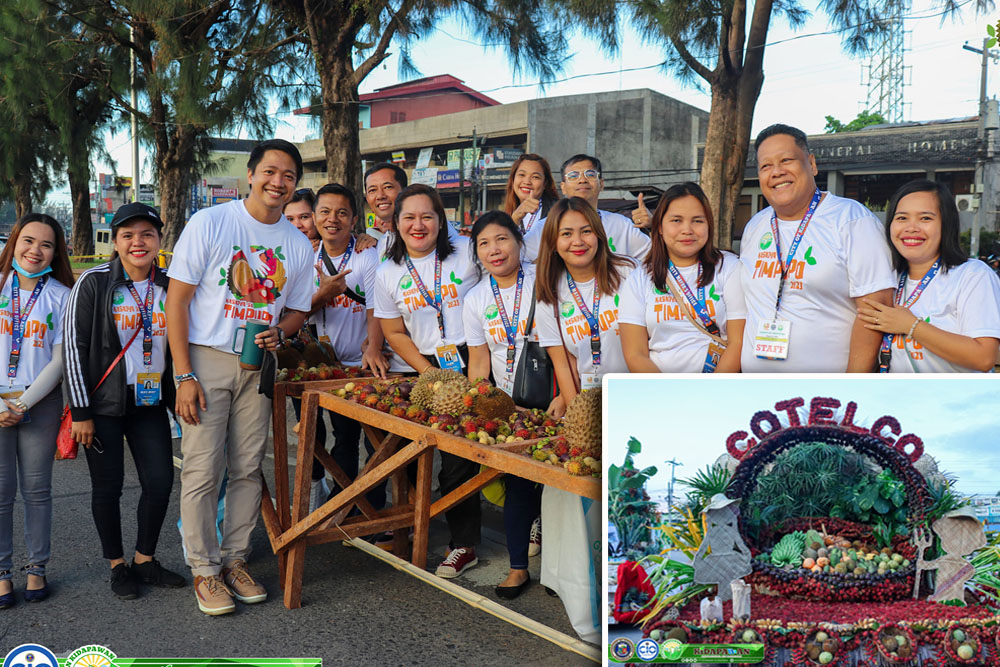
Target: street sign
425, 176
424, 159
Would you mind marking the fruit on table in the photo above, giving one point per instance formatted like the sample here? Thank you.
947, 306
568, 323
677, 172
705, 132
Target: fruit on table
825, 658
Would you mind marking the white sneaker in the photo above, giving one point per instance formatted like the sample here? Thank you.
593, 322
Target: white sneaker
318, 494
535, 538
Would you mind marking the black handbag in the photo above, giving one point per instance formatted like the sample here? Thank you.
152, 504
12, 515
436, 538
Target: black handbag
534, 376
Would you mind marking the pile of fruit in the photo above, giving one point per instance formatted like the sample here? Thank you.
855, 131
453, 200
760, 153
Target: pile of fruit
961, 646
821, 648
896, 643
556, 451
813, 565
320, 372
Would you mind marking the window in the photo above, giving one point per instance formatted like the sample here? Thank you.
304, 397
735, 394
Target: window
397, 117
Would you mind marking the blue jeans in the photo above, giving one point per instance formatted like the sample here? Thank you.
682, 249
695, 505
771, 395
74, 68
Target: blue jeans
26, 455
522, 503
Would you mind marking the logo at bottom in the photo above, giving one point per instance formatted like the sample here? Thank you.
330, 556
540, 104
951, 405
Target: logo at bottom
647, 649
30, 655
672, 649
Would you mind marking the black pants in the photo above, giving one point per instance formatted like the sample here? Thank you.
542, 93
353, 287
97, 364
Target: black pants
148, 434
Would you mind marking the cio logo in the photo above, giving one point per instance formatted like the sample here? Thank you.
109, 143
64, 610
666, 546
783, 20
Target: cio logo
766, 240
405, 282
647, 649
119, 298
567, 309
30, 655
491, 312
621, 648
672, 649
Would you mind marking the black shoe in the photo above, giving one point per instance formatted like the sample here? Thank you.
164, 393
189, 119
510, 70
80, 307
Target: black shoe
152, 573
511, 592
551, 593
123, 583
7, 599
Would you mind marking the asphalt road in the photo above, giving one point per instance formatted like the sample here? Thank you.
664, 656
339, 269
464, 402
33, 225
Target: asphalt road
356, 609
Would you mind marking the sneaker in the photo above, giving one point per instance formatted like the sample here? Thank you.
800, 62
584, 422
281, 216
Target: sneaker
214, 597
535, 538
318, 494
243, 585
457, 562
154, 574
123, 582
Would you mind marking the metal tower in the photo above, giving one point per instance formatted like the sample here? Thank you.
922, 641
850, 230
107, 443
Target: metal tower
885, 74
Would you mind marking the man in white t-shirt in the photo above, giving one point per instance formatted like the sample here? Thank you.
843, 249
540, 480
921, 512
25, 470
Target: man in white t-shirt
581, 177
233, 263
839, 259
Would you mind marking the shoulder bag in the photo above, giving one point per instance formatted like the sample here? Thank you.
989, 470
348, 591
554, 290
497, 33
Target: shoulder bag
534, 376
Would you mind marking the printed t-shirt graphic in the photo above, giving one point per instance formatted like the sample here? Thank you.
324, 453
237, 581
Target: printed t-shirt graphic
243, 269
964, 300
343, 318
842, 255
128, 318
675, 345
397, 295
484, 324
42, 329
624, 238
576, 332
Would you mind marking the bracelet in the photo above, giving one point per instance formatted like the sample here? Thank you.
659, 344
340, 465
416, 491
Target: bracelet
19, 405
914, 326
183, 377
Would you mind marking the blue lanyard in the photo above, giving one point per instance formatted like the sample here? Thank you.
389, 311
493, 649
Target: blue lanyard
346, 257
18, 321
510, 330
885, 351
433, 301
146, 311
697, 304
590, 316
799, 233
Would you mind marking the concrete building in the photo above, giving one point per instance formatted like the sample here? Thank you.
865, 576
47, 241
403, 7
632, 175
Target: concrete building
645, 141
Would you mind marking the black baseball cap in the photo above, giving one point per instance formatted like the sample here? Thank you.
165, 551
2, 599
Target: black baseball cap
130, 212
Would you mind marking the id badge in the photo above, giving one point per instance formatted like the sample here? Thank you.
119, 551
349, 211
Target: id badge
712, 357
147, 389
324, 339
771, 341
15, 392
448, 357
590, 380
506, 383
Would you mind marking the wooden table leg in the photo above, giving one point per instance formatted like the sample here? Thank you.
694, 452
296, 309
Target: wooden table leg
400, 491
422, 507
281, 500
304, 455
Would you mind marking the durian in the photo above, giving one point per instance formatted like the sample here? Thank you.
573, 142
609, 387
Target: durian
288, 357
448, 399
494, 404
423, 388
583, 422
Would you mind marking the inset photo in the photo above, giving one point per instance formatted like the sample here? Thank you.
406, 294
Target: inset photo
821, 520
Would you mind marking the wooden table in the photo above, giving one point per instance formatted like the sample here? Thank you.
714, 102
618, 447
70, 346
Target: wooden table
398, 442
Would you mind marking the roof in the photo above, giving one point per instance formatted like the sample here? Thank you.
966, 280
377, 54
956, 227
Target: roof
232, 145
429, 84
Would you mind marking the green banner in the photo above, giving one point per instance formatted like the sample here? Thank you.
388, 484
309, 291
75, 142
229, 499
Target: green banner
95, 655
673, 652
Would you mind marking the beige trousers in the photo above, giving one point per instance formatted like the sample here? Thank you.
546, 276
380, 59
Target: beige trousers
232, 435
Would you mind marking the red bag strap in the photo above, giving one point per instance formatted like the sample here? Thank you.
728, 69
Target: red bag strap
115, 362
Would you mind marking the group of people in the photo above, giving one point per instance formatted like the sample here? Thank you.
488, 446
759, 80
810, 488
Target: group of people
820, 285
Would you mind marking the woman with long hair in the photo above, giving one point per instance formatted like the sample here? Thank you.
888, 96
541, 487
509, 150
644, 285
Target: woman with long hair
530, 191
496, 314
419, 290
299, 211
36, 279
578, 282
679, 312
116, 329
945, 316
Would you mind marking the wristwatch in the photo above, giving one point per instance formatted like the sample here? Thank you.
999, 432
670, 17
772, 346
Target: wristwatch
19, 405
184, 377
281, 335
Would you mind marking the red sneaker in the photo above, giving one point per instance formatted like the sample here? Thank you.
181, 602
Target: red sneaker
457, 562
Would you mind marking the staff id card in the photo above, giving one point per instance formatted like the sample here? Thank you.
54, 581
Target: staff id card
590, 381
712, 357
506, 383
771, 341
15, 392
448, 357
147, 389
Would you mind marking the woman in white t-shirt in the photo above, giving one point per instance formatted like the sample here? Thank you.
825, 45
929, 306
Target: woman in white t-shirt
36, 278
530, 192
419, 290
686, 302
946, 312
577, 285
496, 316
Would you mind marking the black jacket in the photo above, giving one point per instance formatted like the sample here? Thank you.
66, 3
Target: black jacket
91, 343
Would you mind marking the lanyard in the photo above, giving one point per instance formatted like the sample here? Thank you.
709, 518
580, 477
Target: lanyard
18, 321
530, 219
697, 304
591, 317
146, 311
510, 330
325, 259
433, 301
885, 351
799, 233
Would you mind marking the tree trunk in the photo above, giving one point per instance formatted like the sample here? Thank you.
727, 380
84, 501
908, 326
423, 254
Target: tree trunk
174, 168
22, 197
78, 173
340, 125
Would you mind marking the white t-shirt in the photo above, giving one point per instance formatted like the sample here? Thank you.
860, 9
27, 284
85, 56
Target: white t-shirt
675, 345
244, 269
397, 295
484, 326
343, 319
576, 331
843, 255
624, 238
128, 318
963, 300
42, 329
383, 243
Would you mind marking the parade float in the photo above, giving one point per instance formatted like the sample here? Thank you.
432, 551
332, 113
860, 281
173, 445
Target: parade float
831, 543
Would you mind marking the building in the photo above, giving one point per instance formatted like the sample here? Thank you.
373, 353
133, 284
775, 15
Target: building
645, 141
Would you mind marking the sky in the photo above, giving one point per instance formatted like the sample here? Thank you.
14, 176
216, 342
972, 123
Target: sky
807, 75
688, 418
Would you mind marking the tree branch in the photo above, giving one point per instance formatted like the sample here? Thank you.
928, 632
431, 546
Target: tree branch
379, 54
690, 60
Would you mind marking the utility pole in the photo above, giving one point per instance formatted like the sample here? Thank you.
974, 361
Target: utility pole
673, 463
977, 221
135, 120
476, 142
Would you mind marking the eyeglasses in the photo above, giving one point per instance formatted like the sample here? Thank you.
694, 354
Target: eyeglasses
590, 175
